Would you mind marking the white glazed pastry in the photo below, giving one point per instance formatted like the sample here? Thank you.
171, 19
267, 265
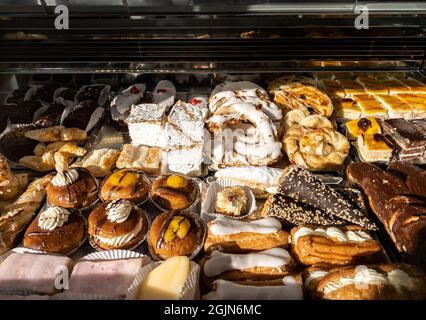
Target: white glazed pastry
164, 94
120, 105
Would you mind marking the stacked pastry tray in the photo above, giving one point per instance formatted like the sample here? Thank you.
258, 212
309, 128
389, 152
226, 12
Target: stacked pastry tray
108, 134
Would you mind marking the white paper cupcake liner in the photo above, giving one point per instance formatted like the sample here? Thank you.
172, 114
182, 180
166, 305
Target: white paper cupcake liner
256, 192
116, 254
190, 290
208, 207
57, 99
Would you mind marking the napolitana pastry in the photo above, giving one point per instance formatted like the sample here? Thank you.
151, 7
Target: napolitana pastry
268, 264
302, 185
358, 127
16, 216
231, 201
236, 236
175, 233
370, 282
373, 148
56, 230
166, 281
286, 288
74, 189
126, 184
146, 125
100, 162
112, 277
314, 144
36, 272
147, 159
117, 225
121, 104
332, 245
174, 192
262, 180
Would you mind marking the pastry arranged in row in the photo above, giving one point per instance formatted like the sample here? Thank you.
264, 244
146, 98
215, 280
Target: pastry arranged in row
303, 198
396, 197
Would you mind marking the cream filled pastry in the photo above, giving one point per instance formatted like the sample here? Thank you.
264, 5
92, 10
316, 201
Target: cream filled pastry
117, 225
262, 265
231, 201
236, 236
75, 189
287, 289
333, 245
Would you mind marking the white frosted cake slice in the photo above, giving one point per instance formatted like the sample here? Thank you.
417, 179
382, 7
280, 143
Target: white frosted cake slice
164, 94
146, 125
185, 126
184, 160
121, 104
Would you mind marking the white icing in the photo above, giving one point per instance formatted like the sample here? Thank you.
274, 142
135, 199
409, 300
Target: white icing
118, 210
52, 218
219, 262
251, 176
164, 94
123, 239
126, 98
314, 276
227, 290
334, 233
364, 277
65, 178
224, 226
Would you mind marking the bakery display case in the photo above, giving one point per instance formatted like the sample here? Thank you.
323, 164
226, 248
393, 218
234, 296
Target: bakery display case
187, 150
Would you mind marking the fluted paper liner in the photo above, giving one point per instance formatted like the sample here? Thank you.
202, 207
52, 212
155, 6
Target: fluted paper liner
80, 296
189, 291
259, 194
208, 207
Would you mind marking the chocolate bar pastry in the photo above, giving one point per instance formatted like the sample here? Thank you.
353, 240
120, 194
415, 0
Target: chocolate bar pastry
413, 176
409, 140
14, 145
45, 93
302, 185
80, 116
52, 116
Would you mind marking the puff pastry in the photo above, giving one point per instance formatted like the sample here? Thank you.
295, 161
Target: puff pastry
341, 245
368, 282
261, 265
236, 236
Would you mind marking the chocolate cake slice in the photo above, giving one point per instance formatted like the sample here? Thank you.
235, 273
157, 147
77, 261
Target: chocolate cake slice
302, 185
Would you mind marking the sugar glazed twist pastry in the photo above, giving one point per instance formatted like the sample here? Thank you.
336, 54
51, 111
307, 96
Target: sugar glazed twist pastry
242, 124
314, 144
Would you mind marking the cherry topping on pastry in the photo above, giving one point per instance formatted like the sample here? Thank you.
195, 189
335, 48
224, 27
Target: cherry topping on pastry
134, 90
364, 123
194, 101
161, 90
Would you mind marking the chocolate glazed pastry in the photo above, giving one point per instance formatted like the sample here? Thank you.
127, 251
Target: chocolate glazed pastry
175, 233
302, 185
14, 145
56, 230
414, 177
80, 116
75, 188
24, 112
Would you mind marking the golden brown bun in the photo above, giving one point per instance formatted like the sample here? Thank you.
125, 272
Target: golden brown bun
80, 194
173, 198
61, 240
178, 247
99, 225
135, 192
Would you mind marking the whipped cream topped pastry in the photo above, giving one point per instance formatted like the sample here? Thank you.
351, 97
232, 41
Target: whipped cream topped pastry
52, 218
65, 178
118, 210
117, 225
218, 262
333, 233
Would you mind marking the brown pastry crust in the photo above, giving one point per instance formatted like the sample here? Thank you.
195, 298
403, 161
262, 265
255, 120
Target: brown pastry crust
314, 249
61, 240
135, 193
99, 225
172, 198
80, 194
245, 241
373, 292
178, 247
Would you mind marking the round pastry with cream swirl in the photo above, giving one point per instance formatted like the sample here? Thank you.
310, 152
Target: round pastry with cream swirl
74, 189
117, 224
56, 230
